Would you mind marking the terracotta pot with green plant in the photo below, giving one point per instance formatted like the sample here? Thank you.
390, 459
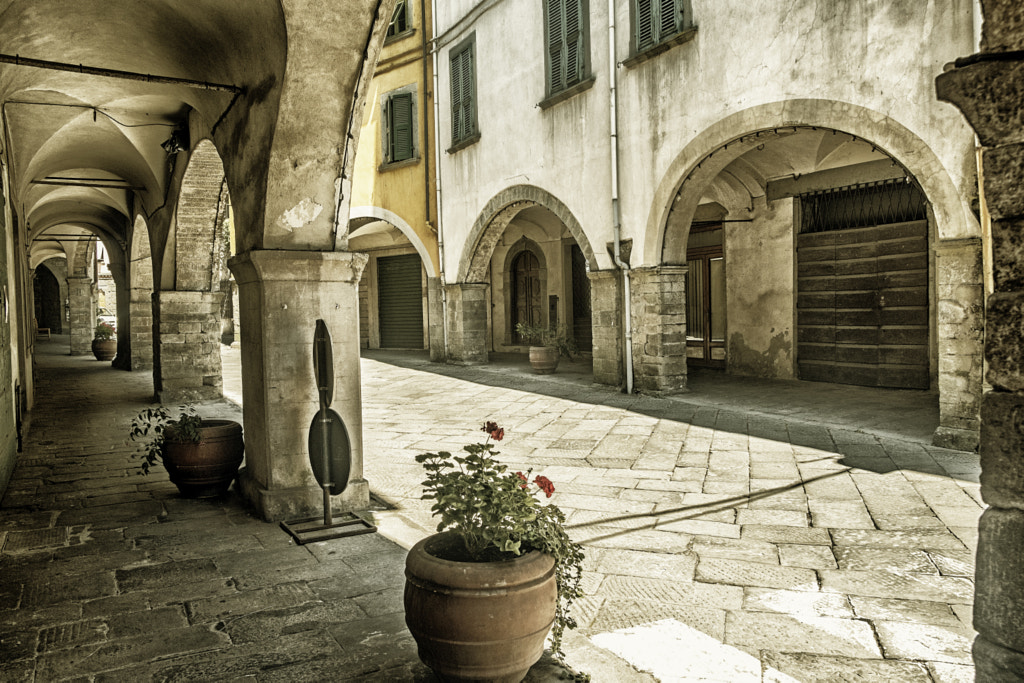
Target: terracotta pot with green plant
201, 456
547, 346
482, 594
104, 346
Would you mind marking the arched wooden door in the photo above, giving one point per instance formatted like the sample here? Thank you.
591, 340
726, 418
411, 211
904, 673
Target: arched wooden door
527, 298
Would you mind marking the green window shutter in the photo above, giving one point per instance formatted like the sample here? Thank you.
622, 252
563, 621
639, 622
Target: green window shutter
668, 18
400, 127
556, 46
575, 41
458, 131
468, 94
644, 24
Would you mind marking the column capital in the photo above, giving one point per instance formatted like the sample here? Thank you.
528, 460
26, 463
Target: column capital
304, 266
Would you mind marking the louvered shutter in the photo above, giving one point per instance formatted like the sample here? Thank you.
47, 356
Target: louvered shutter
556, 46
574, 42
644, 24
468, 93
400, 120
456, 76
668, 18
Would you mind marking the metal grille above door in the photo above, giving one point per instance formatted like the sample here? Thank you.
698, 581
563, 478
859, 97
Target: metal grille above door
400, 301
862, 292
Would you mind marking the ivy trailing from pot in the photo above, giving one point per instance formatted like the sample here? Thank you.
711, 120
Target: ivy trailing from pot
201, 456
491, 515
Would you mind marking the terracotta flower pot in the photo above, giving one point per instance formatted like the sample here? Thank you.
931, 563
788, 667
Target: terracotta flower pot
205, 469
543, 359
478, 621
104, 349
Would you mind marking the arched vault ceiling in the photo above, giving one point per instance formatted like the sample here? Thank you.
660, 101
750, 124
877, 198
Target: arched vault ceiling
58, 123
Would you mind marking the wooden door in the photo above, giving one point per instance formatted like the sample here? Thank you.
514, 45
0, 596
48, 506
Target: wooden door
527, 299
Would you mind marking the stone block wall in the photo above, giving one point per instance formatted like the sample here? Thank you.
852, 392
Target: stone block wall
467, 323
658, 316
435, 321
189, 338
606, 311
82, 301
961, 332
140, 329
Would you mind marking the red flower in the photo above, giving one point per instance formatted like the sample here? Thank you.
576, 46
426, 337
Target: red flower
493, 430
545, 484
526, 482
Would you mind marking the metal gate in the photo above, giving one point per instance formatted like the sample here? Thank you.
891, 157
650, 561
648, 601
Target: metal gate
400, 301
862, 292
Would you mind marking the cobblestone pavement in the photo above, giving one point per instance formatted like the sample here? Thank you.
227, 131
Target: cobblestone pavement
722, 544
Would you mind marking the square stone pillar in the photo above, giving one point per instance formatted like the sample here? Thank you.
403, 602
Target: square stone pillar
189, 338
435, 321
281, 296
961, 333
606, 325
82, 326
659, 328
467, 323
140, 329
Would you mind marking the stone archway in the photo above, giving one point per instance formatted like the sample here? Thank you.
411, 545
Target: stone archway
140, 293
721, 165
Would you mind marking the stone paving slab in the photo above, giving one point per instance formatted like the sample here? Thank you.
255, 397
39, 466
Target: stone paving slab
791, 547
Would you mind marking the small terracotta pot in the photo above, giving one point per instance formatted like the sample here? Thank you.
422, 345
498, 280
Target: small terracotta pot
543, 359
478, 621
205, 469
104, 349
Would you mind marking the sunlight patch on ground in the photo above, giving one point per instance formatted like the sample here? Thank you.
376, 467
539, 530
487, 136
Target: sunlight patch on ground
673, 652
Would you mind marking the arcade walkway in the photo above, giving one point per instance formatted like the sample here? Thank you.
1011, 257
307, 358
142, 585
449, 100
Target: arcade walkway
724, 538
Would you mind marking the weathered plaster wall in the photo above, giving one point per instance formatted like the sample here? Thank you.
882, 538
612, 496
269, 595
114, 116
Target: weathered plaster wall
759, 258
8, 397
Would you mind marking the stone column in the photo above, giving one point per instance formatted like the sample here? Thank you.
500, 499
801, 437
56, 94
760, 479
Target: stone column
606, 311
467, 323
281, 295
961, 331
435, 321
659, 328
189, 338
140, 329
989, 88
83, 315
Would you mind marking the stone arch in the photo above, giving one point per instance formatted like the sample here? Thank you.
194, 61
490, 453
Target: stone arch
523, 244
495, 217
140, 297
50, 291
720, 144
200, 213
362, 214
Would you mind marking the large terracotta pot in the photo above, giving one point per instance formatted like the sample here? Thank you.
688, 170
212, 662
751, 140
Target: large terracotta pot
205, 469
543, 359
478, 621
104, 349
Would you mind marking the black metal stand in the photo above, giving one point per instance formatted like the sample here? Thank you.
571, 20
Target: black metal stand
316, 529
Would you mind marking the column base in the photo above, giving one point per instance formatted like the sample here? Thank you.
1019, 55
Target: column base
956, 439
277, 505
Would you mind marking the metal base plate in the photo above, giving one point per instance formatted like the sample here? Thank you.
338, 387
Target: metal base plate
313, 529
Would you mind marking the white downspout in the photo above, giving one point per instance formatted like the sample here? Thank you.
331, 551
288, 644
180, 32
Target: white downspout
437, 186
616, 222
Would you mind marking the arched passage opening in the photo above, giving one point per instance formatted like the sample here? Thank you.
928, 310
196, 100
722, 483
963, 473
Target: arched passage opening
397, 290
50, 290
527, 260
810, 252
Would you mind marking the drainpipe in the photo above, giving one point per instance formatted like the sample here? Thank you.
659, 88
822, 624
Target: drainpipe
616, 222
437, 186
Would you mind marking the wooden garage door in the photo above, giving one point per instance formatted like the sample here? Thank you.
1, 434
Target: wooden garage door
862, 305
400, 301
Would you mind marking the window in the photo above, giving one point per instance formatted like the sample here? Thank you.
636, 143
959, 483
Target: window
655, 21
566, 39
399, 20
464, 128
399, 126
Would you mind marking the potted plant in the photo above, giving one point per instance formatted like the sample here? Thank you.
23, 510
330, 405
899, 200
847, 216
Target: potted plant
482, 594
201, 456
104, 346
547, 345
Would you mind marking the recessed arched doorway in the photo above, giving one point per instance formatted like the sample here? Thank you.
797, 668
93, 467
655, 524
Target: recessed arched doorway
526, 297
